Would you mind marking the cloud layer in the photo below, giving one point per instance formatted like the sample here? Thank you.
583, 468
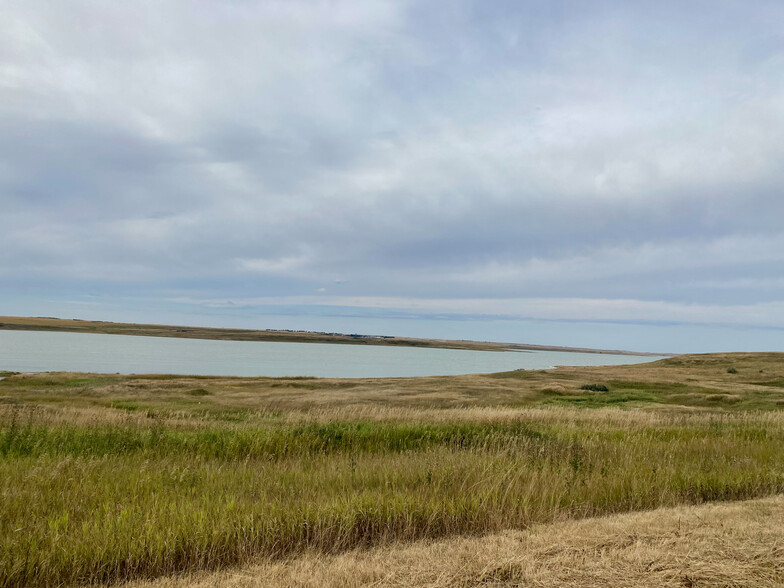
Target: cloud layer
458, 158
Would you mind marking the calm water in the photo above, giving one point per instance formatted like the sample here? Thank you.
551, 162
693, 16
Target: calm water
32, 351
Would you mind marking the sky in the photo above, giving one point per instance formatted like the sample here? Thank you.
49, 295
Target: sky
602, 174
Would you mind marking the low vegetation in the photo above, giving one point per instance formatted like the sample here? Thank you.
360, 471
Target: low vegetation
108, 478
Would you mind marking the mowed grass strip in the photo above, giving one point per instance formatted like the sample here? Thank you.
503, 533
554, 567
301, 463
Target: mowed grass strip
719, 544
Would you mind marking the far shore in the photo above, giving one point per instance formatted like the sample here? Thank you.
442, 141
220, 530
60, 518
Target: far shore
17, 323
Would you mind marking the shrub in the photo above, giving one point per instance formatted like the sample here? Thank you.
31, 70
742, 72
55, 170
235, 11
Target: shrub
595, 387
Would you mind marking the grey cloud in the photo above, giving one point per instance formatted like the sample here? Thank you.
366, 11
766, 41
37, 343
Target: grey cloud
459, 149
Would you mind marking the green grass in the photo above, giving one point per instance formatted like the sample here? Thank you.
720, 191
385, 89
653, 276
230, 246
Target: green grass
603, 400
777, 383
33, 440
109, 478
99, 503
199, 392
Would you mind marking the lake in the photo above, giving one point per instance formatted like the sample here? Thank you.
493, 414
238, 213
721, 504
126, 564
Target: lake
37, 351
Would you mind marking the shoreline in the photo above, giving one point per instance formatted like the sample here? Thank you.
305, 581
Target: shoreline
52, 324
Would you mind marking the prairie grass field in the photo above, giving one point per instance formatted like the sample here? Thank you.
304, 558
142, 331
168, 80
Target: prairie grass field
111, 478
739, 544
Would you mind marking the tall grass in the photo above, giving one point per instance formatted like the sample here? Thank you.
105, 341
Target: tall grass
34, 440
93, 502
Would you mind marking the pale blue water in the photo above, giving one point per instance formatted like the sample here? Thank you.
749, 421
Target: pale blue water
34, 351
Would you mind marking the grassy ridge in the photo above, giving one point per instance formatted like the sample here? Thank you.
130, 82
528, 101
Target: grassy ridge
21, 323
105, 479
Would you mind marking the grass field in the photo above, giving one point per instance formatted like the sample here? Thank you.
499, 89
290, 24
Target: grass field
115, 478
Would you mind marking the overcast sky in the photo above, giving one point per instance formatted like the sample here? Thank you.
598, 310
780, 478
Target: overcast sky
578, 173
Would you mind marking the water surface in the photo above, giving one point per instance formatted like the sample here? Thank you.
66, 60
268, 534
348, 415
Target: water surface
37, 351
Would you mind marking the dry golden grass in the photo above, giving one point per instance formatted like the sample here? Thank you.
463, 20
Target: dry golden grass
728, 544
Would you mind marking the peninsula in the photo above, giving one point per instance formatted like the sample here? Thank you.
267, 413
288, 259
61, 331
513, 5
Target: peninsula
17, 323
